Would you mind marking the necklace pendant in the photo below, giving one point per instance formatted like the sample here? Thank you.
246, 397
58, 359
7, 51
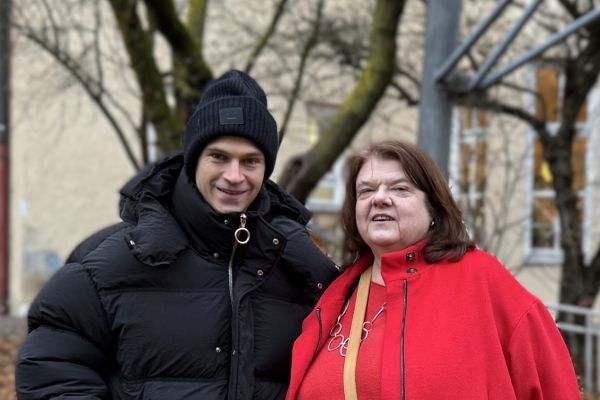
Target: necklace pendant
331, 346
335, 333
344, 347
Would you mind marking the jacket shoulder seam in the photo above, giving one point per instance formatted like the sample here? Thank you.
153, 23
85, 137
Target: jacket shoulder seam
534, 303
98, 297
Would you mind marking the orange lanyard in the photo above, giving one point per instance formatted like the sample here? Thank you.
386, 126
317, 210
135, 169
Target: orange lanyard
356, 329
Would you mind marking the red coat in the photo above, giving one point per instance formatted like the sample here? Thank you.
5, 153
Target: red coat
463, 330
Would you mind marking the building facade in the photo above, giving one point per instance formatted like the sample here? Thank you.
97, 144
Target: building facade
67, 163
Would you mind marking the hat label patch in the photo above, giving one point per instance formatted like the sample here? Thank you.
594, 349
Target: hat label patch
231, 116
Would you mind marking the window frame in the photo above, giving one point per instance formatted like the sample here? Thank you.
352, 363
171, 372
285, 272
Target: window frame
554, 255
471, 135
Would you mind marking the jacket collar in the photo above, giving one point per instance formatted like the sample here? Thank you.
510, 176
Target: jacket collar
207, 230
156, 238
394, 265
404, 264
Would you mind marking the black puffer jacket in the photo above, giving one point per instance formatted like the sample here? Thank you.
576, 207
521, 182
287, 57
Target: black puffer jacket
167, 307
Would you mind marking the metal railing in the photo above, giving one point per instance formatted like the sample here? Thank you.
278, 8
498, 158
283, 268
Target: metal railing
590, 329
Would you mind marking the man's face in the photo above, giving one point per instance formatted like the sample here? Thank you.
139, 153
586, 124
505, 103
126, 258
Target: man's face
230, 173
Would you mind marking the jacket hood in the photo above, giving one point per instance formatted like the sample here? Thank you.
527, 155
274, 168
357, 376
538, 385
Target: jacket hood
155, 180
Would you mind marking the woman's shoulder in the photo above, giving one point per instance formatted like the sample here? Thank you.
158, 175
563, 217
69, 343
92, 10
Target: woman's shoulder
490, 273
483, 262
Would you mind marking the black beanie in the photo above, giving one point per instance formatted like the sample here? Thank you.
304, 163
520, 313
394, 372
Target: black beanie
232, 105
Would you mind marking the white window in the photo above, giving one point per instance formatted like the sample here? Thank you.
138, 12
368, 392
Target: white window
469, 172
328, 195
542, 234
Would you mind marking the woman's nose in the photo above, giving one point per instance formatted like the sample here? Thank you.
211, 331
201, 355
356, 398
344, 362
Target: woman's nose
381, 197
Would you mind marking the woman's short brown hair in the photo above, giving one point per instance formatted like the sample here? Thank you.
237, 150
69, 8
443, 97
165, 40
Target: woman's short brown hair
448, 236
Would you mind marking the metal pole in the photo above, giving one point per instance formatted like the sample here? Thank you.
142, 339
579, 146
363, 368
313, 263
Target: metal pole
5, 7
587, 358
597, 362
501, 48
531, 54
468, 42
443, 18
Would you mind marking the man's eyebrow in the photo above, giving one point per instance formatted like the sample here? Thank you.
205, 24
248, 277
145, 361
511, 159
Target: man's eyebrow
217, 149
254, 154
214, 148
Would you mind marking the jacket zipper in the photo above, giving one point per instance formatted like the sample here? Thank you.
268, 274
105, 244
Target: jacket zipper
234, 335
318, 312
230, 273
245, 237
402, 360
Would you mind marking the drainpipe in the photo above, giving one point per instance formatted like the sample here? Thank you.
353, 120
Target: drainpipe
5, 7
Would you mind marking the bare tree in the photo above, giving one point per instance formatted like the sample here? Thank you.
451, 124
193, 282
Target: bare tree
76, 47
579, 60
303, 172
167, 91
135, 35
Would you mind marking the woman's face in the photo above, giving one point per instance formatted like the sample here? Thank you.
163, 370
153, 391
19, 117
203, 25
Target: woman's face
391, 213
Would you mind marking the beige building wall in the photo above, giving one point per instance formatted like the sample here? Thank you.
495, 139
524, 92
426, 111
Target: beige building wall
66, 169
67, 165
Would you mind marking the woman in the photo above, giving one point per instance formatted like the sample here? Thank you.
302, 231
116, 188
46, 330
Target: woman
443, 319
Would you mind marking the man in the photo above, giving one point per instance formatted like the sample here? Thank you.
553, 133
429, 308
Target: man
202, 289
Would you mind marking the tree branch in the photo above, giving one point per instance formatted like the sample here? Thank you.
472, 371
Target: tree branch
405, 74
355, 110
196, 19
139, 49
310, 43
88, 84
190, 72
184, 46
483, 102
594, 268
571, 8
405, 95
264, 39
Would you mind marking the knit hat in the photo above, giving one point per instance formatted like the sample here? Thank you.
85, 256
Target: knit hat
232, 105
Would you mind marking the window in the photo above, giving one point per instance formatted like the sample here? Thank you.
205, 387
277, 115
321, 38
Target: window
470, 172
329, 193
543, 228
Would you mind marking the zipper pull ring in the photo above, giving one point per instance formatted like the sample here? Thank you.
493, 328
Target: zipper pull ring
242, 235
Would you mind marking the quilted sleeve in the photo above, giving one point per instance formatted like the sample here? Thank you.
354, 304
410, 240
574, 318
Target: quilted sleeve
67, 351
304, 260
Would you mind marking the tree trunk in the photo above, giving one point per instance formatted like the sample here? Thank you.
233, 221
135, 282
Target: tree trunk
579, 284
301, 174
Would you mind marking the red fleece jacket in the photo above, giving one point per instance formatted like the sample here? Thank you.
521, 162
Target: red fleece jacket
462, 330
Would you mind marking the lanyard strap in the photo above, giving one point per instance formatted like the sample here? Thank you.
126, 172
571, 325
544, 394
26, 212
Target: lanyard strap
358, 319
